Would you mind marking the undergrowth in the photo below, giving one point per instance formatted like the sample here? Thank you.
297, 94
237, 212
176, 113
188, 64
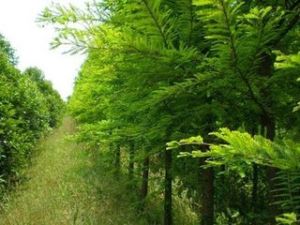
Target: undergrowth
70, 185
66, 186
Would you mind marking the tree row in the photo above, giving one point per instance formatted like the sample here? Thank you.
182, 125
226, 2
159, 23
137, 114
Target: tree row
29, 108
163, 70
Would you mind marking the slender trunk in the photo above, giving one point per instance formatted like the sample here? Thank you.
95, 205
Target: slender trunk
269, 125
117, 160
145, 180
254, 191
273, 210
131, 161
266, 70
254, 198
112, 156
168, 219
206, 177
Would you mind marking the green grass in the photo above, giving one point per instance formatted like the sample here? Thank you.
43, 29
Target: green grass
67, 186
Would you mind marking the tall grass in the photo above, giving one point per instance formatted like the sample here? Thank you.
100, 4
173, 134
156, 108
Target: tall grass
69, 185
66, 187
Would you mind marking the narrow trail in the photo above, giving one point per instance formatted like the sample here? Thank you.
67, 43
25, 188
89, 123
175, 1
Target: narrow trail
66, 186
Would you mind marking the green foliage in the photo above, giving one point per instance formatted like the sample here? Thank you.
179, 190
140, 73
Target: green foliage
230, 217
161, 70
25, 116
241, 150
297, 108
53, 101
5, 48
188, 141
286, 185
287, 219
242, 147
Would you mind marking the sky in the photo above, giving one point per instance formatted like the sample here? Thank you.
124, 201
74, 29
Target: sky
32, 43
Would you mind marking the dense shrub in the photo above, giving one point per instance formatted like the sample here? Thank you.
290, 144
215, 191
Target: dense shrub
27, 111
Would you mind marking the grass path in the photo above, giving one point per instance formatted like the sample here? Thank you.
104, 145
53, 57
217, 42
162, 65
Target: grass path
67, 186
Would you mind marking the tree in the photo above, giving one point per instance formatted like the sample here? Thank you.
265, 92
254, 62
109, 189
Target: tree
161, 70
6, 48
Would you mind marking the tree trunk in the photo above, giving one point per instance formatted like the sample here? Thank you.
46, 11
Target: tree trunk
168, 219
131, 162
206, 177
254, 191
273, 210
254, 194
145, 180
117, 160
268, 123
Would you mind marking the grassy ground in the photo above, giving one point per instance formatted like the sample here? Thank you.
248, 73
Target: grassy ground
68, 187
